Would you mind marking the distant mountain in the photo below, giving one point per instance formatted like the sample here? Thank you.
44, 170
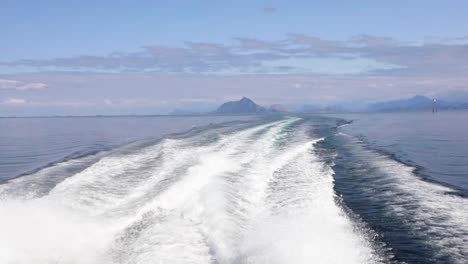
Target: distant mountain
243, 106
277, 108
247, 106
416, 103
462, 106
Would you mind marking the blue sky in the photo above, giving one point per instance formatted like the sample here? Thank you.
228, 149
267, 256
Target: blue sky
46, 29
85, 57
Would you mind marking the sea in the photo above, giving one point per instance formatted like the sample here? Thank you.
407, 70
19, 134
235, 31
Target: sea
284, 188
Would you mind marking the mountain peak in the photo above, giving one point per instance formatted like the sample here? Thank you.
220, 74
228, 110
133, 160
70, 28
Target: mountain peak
243, 106
420, 98
417, 102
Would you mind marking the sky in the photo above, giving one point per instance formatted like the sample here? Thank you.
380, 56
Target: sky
150, 57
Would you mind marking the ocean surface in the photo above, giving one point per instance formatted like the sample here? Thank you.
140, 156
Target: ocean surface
360, 188
27, 144
436, 144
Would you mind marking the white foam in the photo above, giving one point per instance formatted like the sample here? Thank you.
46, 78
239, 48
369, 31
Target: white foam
240, 198
304, 224
39, 231
437, 214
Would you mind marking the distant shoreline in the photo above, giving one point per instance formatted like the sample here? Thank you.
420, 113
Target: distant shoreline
234, 114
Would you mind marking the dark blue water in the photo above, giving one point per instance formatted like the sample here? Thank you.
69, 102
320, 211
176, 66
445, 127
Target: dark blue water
404, 175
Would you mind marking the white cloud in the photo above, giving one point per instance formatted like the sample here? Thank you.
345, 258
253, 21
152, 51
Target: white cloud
32, 86
19, 85
8, 84
295, 54
15, 101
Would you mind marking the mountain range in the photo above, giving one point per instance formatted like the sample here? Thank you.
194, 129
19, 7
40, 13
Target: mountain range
416, 103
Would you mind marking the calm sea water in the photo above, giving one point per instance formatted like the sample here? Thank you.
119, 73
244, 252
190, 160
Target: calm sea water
384, 188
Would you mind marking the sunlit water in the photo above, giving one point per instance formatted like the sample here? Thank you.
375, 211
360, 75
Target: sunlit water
284, 189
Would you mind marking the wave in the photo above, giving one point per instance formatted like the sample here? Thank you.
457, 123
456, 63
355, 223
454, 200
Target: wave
256, 194
41, 180
419, 220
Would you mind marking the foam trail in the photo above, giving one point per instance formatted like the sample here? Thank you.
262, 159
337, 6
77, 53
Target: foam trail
198, 197
424, 221
301, 222
40, 182
434, 213
256, 195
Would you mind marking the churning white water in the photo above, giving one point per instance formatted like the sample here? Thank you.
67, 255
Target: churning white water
256, 195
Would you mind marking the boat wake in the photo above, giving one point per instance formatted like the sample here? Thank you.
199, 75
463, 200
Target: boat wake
258, 194
420, 221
